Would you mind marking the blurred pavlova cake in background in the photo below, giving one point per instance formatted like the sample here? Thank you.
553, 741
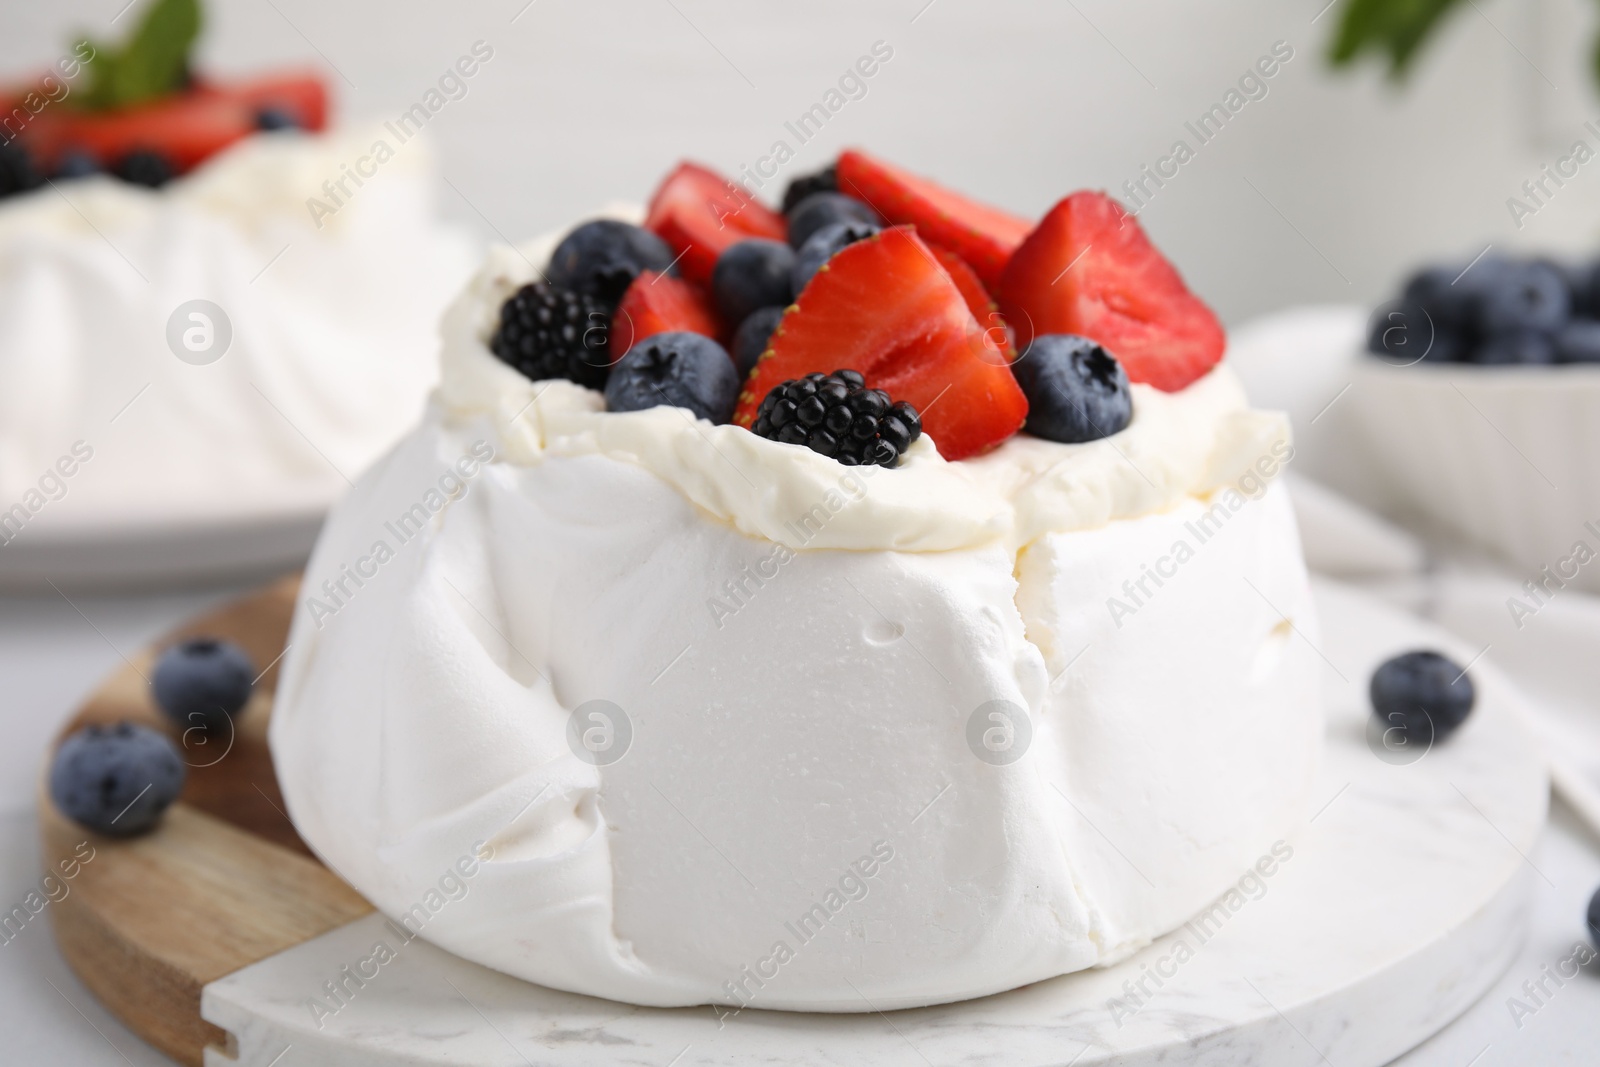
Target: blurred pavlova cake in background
214, 313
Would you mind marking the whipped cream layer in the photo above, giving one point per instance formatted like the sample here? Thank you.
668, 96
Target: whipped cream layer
333, 333
1178, 445
802, 664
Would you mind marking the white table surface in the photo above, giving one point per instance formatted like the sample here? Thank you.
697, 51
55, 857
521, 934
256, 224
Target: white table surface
52, 653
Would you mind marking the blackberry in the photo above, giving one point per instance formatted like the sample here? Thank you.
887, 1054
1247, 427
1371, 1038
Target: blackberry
17, 171
825, 180
546, 331
837, 415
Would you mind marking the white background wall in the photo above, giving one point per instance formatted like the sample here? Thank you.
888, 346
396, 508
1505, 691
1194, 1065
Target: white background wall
1019, 101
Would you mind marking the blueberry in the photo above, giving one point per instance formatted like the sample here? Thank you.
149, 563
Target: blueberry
824, 245
1594, 918
1579, 342
1584, 282
1076, 391
750, 339
825, 209
18, 174
142, 167
682, 369
76, 164
750, 275
825, 180
275, 118
601, 258
1423, 695
1451, 307
1527, 296
1530, 348
200, 681
116, 780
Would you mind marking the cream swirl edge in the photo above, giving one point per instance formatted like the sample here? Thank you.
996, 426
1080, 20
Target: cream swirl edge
1179, 445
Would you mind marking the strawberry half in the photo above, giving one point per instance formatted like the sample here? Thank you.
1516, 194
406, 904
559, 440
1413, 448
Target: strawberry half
1089, 269
983, 236
979, 302
886, 308
700, 213
659, 303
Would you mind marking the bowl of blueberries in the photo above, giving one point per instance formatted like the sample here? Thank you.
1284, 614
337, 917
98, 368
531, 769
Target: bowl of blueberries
1480, 401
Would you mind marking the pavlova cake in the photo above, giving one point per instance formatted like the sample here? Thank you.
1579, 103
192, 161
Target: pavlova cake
206, 312
877, 604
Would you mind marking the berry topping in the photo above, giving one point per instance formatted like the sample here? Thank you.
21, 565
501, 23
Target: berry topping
825, 180
979, 302
679, 369
116, 780
659, 303
750, 275
1088, 269
269, 119
602, 258
1076, 392
825, 209
983, 236
700, 214
202, 680
1422, 695
75, 165
824, 245
17, 172
1527, 296
885, 307
752, 337
549, 332
837, 415
143, 167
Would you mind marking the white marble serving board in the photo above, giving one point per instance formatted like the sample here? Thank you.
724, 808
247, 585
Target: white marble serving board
1404, 900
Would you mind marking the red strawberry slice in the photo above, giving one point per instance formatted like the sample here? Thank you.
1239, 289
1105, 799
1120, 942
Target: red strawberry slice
884, 307
700, 213
1089, 269
979, 302
658, 303
983, 236
186, 129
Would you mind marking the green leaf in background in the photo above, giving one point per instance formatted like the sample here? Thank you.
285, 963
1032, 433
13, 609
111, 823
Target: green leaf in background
1393, 28
153, 63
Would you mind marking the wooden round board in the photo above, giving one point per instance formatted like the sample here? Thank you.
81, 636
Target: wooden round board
1404, 901
223, 882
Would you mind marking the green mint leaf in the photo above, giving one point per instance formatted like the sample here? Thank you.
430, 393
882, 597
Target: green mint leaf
1394, 29
152, 63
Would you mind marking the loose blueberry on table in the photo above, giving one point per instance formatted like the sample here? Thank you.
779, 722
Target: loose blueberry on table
116, 780
1423, 695
201, 681
724, 307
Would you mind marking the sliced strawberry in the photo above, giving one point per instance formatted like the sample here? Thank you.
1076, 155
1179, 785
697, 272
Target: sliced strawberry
884, 307
983, 236
186, 129
979, 302
658, 303
700, 213
1089, 269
